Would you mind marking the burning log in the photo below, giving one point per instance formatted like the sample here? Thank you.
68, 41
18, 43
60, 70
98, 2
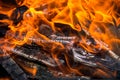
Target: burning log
12, 68
48, 41
80, 58
47, 60
89, 60
83, 57
105, 46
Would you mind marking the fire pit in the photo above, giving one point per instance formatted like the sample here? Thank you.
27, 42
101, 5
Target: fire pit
59, 39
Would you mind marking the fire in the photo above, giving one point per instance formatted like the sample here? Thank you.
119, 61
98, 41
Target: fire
98, 19
5, 78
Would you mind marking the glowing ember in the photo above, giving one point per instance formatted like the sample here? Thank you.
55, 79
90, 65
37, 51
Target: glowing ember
69, 31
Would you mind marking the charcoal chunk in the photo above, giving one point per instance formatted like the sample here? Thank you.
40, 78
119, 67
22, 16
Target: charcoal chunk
13, 2
3, 29
3, 16
66, 29
19, 10
118, 74
45, 30
3, 72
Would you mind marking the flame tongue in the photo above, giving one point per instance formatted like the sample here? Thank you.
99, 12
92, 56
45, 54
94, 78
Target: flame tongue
58, 26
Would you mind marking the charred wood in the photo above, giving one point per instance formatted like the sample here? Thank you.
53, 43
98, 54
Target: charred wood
12, 68
3, 16
3, 29
17, 14
47, 60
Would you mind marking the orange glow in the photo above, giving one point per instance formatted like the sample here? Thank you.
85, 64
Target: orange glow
5, 78
32, 71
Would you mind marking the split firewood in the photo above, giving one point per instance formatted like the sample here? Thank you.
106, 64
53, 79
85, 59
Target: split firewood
47, 60
81, 58
12, 67
48, 41
104, 46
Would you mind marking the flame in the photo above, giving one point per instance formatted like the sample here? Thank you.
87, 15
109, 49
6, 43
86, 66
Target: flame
99, 18
6, 78
33, 70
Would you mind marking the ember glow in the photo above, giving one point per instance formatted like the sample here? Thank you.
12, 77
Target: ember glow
62, 27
